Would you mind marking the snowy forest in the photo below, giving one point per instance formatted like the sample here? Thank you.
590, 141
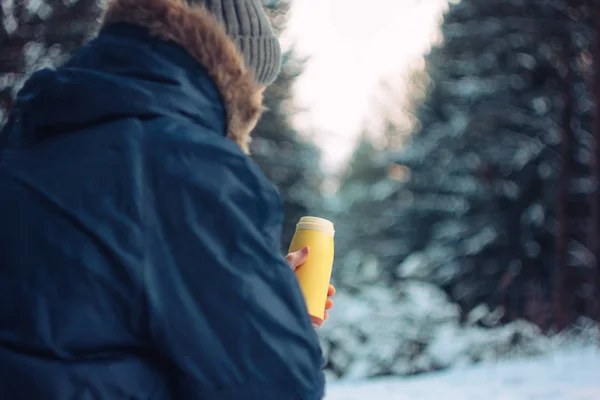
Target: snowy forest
476, 234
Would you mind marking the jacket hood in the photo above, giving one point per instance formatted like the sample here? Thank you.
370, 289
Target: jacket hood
151, 58
199, 33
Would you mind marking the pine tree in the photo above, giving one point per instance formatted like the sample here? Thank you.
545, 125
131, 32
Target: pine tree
383, 325
36, 34
593, 75
507, 86
365, 204
507, 111
288, 159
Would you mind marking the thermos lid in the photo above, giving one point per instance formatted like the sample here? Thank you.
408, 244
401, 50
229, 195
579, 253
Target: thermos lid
316, 224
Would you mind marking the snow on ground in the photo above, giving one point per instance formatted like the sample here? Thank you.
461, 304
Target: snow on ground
568, 374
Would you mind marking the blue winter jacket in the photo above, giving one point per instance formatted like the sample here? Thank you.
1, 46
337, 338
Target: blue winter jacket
138, 245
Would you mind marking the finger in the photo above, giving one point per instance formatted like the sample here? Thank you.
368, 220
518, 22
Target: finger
330, 291
328, 304
325, 316
297, 258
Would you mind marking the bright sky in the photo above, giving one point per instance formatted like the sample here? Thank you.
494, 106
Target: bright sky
353, 45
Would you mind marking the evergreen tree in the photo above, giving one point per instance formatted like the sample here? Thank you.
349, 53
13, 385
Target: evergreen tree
288, 159
352, 218
484, 164
365, 204
36, 34
383, 325
505, 124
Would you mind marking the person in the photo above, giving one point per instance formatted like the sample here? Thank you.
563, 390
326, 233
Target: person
138, 241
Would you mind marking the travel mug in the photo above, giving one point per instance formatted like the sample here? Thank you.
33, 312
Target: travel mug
314, 276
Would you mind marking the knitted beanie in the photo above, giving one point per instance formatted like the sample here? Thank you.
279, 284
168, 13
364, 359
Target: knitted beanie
247, 24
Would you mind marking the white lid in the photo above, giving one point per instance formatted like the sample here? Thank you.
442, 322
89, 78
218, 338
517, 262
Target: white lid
316, 224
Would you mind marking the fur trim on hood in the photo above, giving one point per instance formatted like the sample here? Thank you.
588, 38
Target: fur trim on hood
193, 28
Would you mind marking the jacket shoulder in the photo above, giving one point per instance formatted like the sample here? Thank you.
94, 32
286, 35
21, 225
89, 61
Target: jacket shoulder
191, 156
175, 142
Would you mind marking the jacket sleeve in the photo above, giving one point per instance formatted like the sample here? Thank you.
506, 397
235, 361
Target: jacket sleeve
223, 305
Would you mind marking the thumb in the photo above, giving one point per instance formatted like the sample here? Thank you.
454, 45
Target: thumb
297, 258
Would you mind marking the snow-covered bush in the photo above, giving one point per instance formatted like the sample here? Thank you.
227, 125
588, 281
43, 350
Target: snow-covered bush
412, 328
584, 333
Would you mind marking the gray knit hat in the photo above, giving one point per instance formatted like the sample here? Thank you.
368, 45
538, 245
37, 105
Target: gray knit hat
247, 24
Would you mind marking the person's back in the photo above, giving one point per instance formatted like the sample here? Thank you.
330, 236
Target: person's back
138, 242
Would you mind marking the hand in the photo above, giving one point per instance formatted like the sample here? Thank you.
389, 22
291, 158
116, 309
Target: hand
296, 260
